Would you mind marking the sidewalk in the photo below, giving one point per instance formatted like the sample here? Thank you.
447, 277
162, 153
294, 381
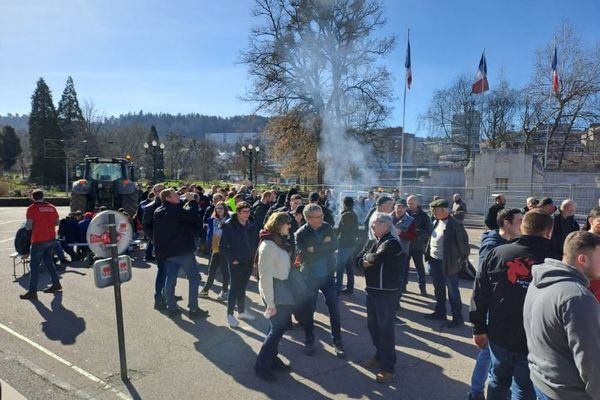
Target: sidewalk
7, 392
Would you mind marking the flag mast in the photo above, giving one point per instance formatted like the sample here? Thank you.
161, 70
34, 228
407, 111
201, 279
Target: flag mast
404, 120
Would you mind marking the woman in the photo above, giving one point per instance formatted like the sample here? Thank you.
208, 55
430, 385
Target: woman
217, 261
274, 262
593, 225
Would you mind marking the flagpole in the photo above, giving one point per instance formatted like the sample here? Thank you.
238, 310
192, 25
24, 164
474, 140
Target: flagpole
547, 144
403, 129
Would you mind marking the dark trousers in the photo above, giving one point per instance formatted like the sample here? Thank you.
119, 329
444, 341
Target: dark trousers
149, 248
440, 282
217, 262
509, 374
381, 312
240, 275
329, 291
403, 276
344, 264
69, 250
41, 253
267, 355
417, 257
161, 278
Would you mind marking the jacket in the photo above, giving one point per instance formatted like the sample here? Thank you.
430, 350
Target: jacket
321, 262
385, 254
407, 230
68, 230
259, 211
492, 215
239, 242
348, 229
562, 227
174, 227
213, 226
562, 323
456, 246
500, 287
424, 227
148, 217
489, 241
273, 263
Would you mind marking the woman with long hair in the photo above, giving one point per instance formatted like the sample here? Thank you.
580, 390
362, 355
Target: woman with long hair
274, 262
217, 261
592, 224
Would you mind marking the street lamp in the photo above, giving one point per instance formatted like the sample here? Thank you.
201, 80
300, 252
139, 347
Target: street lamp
155, 148
250, 153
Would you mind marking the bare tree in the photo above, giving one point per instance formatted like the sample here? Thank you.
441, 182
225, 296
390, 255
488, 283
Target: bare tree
499, 111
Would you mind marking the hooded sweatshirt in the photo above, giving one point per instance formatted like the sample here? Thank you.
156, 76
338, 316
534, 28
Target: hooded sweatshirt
562, 323
489, 240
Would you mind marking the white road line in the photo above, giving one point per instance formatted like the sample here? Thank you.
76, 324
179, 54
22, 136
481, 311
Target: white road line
6, 240
69, 364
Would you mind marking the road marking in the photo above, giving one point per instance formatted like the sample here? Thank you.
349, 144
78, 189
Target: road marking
6, 240
69, 364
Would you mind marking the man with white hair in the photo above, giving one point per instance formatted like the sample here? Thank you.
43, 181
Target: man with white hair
564, 223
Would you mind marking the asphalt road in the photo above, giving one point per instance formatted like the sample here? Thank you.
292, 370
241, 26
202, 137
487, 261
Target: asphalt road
65, 346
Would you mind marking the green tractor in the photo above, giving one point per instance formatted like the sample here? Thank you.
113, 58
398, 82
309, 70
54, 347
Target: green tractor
104, 182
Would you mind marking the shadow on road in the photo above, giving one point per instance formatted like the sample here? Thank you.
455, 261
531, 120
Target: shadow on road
60, 323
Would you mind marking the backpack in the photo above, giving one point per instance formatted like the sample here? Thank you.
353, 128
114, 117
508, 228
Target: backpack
23, 241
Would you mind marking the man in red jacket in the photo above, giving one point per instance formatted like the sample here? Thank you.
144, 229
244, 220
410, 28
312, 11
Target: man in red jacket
42, 219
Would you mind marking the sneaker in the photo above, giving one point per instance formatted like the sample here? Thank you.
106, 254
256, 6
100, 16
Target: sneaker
29, 296
174, 312
198, 313
54, 288
339, 351
203, 294
372, 363
435, 316
233, 322
223, 296
455, 324
246, 316
384, 377
309, 349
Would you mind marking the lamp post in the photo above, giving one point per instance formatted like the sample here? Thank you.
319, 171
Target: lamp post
155, 148
250, 152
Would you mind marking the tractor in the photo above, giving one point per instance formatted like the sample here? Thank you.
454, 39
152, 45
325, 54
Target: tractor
104, 182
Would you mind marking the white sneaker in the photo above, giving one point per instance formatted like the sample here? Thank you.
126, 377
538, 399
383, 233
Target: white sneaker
223, 296
246, 316
233, 322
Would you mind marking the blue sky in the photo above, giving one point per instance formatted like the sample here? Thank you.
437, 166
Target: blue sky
181, 55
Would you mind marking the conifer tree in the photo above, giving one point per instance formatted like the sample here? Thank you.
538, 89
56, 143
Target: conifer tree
10, 147
72, 123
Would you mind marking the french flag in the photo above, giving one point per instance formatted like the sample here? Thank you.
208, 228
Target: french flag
481, 85
407, 65
555, 85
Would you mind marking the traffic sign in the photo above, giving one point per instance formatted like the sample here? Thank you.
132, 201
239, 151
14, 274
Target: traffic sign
103, 271
98, 236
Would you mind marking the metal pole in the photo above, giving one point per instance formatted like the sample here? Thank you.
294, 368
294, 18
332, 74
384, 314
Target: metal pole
66, 174
114, 265
403, 130
250, 154
154, 165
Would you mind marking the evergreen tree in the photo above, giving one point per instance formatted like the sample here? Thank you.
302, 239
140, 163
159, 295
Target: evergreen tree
155, 158
71, 123
10, 147
47, 150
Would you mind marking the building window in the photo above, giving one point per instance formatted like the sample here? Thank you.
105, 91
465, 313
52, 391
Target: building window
501, 183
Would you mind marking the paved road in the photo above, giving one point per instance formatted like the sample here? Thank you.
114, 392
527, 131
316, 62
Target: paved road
65, 346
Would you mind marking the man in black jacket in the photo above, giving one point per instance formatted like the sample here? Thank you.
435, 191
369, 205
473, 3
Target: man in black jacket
147, 226
492, 214
447, 250
347, 234
260, 209
417, 246
173, 233
564, 223
497, 305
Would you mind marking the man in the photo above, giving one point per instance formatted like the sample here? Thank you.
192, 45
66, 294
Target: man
547, 204
315, 247
532, 203
382, 274
418, 244
395, 194
173, 230
42, 219
148, 227
315, 198
370, 201
447, 250
347, 235
139, 215
564, 223
562, 322
459, 207
294, 203
67, 234
407, 231
509, 221
385, 205
260, 209
497, 305
492, 214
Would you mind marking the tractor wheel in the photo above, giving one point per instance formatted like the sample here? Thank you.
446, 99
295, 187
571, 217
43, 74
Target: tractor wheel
79, 202
130, 203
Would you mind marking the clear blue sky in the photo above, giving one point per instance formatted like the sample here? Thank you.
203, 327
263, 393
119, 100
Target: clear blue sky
180, 56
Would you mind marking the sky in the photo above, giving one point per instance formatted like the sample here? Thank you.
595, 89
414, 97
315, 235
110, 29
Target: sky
182, 56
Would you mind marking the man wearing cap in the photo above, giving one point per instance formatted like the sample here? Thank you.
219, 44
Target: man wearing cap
385, 205
564, 223
407, 231
492, 214
547, 205
447, 250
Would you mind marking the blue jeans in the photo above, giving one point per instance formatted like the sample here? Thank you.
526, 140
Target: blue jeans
58, 250
381, 314
161, 278
188, 263
344, 264
268, 352
328, 288
239, 275
508, 369
41, 252
440, 282
481, 371
417, 257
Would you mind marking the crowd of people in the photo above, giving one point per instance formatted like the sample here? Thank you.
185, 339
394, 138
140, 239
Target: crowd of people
534, 306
